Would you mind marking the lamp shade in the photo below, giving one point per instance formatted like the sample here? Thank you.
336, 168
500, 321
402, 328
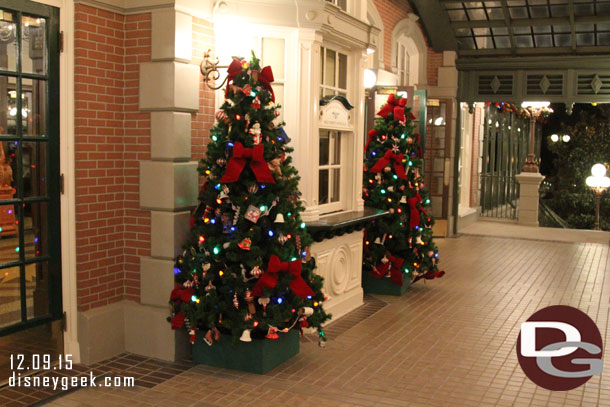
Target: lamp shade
598, 170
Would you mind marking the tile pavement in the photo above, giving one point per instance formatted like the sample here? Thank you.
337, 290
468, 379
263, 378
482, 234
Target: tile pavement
449, 342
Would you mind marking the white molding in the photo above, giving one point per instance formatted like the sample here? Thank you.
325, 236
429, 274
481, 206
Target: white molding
378, 23
67, 165
408, 32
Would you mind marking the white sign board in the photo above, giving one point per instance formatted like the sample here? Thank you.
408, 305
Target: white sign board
334, 114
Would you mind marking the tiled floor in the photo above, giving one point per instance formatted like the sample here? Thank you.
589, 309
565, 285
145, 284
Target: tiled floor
449, 342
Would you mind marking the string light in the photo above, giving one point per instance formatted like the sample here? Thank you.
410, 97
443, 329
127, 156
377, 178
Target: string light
216, 249
214, 138
280, 300
302, 225
201, 239
221, 273
270, 233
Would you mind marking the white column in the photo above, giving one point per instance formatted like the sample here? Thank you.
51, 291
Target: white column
306, 143
169, 89
529, 183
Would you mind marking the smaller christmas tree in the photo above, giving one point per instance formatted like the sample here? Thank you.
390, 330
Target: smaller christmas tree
246, 269
399, 245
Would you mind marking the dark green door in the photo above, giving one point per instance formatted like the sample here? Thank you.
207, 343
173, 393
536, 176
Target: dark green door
30, 252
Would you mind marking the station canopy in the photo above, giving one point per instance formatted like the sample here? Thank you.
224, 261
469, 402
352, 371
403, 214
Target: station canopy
517, 27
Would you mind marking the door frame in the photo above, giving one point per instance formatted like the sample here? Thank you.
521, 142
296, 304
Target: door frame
67, 168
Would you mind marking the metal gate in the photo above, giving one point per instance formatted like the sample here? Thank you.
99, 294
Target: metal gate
504, 151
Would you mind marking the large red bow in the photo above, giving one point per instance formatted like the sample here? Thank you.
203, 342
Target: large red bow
414, 218
266, 77
393, 264
232, 71
385, 160
238, 161
269, 278
395, 106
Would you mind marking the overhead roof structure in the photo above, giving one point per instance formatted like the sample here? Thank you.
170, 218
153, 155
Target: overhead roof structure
547, 49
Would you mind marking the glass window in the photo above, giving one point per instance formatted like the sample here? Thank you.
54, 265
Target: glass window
342, 4
331, 165
334, 73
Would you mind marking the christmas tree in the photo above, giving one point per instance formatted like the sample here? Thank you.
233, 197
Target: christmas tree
246, 269
399, 245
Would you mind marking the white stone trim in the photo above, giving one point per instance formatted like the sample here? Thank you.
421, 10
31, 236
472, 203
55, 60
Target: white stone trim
407, 31
376, 61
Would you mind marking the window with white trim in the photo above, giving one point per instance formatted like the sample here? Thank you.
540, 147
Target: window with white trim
342, 4
333, 73
402, 64
330, 171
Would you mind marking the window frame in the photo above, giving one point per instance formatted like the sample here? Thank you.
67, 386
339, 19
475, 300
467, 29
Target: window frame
341, 204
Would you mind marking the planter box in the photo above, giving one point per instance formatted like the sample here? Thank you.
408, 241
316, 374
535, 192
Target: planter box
258, 356
383, 286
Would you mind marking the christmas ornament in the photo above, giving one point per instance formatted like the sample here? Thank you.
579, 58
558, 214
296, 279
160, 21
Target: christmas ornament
252, 214
192, 336
222, 116
282, 239
245, 244
274, 166
250, 301
279, 218
284, 136
235, 301
264, 301
256, 103
256, 132
253, 189
245, 336
272, 333
298, 241
256, 272
221, 162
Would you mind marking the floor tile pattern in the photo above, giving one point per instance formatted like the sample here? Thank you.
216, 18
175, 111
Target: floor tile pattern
449, 342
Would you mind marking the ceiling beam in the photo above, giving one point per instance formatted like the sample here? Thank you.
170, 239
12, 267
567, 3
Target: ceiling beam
435, 21
524, 22
511, 34
572, 25
594, 50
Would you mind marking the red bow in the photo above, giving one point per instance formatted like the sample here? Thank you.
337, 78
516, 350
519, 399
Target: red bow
395, 270
269, 279
414, 218
182, 294
395, 106
266, 77
178, 320
385, 160
372, 134
238, 161
232, 71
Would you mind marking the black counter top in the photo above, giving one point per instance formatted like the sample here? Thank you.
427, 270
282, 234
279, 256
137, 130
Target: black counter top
341, 223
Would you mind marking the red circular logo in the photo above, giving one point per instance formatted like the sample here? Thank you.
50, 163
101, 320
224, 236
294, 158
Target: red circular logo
560, 348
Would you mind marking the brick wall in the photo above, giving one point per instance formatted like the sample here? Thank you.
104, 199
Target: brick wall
202, 121
392, 12
110, 138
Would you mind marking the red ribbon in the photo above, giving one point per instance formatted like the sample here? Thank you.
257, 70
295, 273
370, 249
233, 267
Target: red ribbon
238, 161
233, 70
270, 277
266, 77
182, 294
178, 320
395, 106
414, 217
385, 160
393, 265
372, 134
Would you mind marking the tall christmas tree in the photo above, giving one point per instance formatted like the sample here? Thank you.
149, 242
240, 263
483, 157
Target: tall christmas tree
246, 269
400, 245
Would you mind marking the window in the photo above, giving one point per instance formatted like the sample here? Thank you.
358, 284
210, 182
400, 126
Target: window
330, 171
342, 4
402, 64
272, 54
334, 73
